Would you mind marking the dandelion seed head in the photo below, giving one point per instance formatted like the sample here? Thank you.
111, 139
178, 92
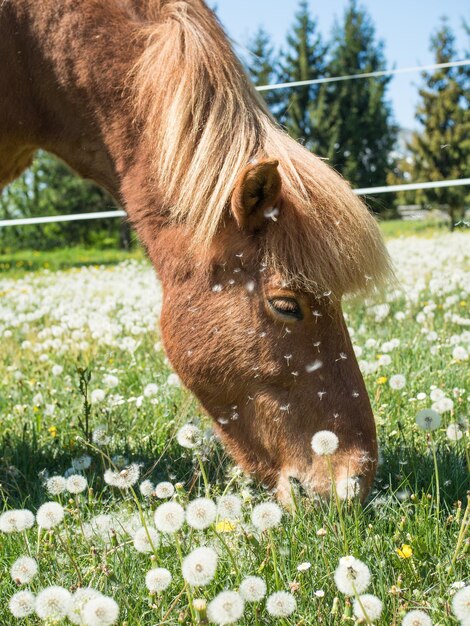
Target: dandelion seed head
142, 542
226, 608
229, 507
453, 432
79, 599
158, 579
164, 490
16, 520
325, 442
169, 517
188, 436
427, 419
303, 567
22, 604
146, 488
100, 436
123, 479
81, 463
397, 381
352, 576
76, 483
199, 566
266, 515
200, 513
281, 604
417, 618
23, 570
56, 485
348, 488
150, 390
369, 607
101, 611
97, 395
53, 603
253, 589
49, 514
461, 605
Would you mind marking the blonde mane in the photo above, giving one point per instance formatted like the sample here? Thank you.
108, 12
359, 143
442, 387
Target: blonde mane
204, 122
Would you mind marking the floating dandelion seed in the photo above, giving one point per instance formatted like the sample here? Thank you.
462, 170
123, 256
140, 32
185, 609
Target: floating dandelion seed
397, 381
253, 589
49, 515
144, 538
229, 507
313, 367
56, 485
281, 604
158, 579
369, 607
188, 436
461, 605
123, 479
169, 517
22, 604
200, 513
226, 608
76, 483
101, 611
16, 520
266, 515
199, 567
164, 490
24, 570
146, 488
79, 599
429, 420
417, 618
325, 442
352, 576
53, 603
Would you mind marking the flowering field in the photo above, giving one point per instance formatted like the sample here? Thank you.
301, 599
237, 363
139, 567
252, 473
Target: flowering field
119, 507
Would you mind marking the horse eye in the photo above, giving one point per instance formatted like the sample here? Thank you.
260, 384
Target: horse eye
286, 307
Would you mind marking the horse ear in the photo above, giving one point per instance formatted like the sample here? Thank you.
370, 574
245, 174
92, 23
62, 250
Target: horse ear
256, 191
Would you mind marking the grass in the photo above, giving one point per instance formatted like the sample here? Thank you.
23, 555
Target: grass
42, 434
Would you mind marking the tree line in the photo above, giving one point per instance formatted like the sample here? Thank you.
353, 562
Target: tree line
350, 123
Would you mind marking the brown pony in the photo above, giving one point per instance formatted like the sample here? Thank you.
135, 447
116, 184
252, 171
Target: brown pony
255, 239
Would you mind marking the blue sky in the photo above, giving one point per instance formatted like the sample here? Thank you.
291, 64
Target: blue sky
404, 25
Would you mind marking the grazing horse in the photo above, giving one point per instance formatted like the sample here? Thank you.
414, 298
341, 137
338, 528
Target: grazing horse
254, 238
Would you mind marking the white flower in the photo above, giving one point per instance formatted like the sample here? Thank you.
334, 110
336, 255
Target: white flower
188, 436
123, 479
253, 589
146, 488
76, 483
397, 381
142, 542
459, 353
266, 515
325, 442
199, 566
97, 395
100, 436
56, 485
49, 515
173, 380
200, 513
443, 405
461, 604
427, 419
453, 432
150, 390
348, 488
111, 381
164, 490
421, 396
436, 395
16, 520
24, 570
229, 507
21, 604
417, 618
169, 517
303, 567
352, 576
369, 607
81, 463
226, 608
281, 604
53, 603
320, 593
157, 579
79, 599
101, 611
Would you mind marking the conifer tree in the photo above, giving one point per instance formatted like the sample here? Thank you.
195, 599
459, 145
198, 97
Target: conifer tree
353, 117
263, 67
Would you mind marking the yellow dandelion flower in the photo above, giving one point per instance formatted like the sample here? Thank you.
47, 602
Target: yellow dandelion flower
405, 551
381, 380
52, 431
225, 526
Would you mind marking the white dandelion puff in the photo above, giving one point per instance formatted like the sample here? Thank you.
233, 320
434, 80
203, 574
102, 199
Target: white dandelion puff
169, 517
76, 483
53, 603
303, 567
348, 488
150, 390
123, 479
453, 432
188, 436
324, 442
437, 394
21, 604
111, 381
164, 490
229, 507
281, 604
199, 566
200, 513
146, 539
461, 605
158, 579
266, 515
101, 611
49, 514
146, 488
24, 570
81, 463
253, 589
352, 576
397, 381
443, 405
56, 485
173, 380
429, 420
369, 607
226, 608
97, 395
79, 599
100, 436
459, 353
417, 618
16, 520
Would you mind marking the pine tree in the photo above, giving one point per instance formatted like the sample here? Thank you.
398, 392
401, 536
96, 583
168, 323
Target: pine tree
441, 150
353, 117
263, 67
303, 59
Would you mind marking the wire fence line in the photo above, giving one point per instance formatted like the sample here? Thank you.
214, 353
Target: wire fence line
50, 219
335, 79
